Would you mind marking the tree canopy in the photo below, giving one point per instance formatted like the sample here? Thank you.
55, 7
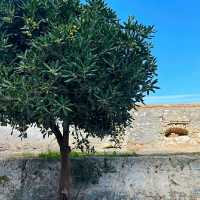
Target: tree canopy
72, 62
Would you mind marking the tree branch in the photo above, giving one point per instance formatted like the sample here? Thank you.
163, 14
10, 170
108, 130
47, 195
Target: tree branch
66, 132
65, 144
55, 129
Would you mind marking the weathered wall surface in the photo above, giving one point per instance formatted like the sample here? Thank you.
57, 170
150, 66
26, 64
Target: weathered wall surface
151, 121
144, 137
130, 178
11, 144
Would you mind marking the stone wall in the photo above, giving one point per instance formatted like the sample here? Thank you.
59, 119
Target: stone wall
144, 136
147, 132
127, 178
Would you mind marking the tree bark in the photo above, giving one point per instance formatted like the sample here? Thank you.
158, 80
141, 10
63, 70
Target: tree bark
65, 175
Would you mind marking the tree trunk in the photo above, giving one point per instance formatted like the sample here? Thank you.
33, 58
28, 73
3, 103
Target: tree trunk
65, 175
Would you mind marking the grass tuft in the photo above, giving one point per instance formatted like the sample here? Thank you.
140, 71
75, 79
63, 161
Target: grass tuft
76, 154
49, 155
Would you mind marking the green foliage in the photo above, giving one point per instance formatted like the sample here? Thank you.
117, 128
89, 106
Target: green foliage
76, 154
65, 61
49, 155
3, 179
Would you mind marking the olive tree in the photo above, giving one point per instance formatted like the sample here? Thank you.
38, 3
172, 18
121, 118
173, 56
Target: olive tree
70, 64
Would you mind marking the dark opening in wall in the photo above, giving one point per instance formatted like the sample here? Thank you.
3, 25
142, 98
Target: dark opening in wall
176, 131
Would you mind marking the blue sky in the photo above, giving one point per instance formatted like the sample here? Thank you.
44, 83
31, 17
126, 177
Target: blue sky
176, 45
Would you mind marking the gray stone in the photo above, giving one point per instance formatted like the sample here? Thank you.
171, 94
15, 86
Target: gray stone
144, 136
120, 178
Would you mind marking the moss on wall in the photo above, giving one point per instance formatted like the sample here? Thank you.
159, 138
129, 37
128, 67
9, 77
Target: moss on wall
3, 179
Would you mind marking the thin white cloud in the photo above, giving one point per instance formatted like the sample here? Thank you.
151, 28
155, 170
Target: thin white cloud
186, 98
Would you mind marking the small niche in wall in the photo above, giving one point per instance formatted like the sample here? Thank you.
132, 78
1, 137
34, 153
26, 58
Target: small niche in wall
176, 131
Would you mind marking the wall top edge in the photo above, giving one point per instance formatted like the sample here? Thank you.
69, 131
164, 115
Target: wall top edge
169, 106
